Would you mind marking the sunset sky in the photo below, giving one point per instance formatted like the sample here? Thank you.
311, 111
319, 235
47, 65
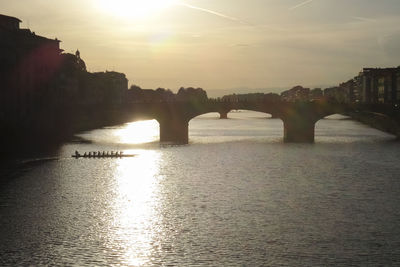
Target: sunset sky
221, 44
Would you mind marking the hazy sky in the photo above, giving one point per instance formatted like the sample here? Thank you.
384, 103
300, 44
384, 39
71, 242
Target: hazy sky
218, 44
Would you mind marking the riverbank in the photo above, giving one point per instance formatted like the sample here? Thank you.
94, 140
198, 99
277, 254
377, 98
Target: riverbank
45, 135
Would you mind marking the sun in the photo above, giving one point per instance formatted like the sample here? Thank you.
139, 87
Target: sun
135, 9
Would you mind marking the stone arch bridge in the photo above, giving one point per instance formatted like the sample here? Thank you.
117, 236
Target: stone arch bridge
298, 118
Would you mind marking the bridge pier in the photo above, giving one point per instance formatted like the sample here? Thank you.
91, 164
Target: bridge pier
174, 131
298, 130
223, 114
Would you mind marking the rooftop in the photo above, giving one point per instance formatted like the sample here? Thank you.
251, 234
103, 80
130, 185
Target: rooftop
8, 18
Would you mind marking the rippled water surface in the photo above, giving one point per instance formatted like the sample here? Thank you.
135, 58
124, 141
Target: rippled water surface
235, 196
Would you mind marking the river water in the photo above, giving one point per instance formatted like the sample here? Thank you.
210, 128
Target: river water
235, 196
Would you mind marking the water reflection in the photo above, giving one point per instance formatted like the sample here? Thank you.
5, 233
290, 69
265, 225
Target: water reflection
139, 132
135, 203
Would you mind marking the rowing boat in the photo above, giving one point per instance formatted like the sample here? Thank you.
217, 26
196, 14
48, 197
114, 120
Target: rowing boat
94, 156
109, 156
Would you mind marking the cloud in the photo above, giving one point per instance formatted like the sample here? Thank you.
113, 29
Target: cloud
221, 15
363, 19
301, 4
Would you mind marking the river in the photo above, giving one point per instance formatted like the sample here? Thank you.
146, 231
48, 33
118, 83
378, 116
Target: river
235, 196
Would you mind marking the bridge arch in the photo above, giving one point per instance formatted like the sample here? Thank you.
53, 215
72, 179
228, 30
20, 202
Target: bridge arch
241, 120
209, 115
225, 115
193, 126
217, 114
324, 127
229, 110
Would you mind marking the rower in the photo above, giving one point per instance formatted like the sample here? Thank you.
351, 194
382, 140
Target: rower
77, 153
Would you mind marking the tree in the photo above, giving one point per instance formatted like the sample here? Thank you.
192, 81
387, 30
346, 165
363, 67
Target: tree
192, 94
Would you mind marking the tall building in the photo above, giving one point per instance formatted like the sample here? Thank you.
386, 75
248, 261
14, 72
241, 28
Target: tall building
350, 91
380, 85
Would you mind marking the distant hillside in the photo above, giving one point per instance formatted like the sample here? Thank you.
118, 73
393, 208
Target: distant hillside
244, 90
222, 92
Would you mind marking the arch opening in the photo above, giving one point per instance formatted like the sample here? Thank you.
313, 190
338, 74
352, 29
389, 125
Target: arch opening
334, 126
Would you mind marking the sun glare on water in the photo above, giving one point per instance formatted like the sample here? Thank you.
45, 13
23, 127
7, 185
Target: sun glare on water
135, 9
139, 132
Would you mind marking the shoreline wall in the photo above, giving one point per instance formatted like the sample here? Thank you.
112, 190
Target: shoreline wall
378, 121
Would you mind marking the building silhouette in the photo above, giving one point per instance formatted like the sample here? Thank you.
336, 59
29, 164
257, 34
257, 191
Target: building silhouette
370, 86
27, 65
297, 93
380, 85
316, 94
44, 92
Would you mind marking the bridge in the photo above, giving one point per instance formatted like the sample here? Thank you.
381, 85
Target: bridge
298, 118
